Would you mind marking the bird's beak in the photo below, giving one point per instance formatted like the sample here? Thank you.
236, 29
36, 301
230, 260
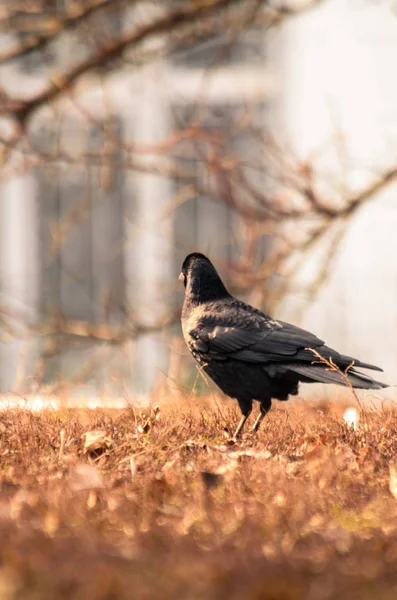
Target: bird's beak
181, 277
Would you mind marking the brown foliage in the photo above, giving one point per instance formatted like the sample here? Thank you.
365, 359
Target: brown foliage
164, 507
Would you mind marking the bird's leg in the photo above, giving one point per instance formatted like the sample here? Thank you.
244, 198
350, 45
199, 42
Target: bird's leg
246, 409
263, 410
240, 426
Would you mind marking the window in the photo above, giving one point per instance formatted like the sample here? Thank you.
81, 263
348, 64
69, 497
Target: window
81, 211
210, 221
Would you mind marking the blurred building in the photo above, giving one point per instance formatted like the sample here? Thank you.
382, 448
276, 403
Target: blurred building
99, 244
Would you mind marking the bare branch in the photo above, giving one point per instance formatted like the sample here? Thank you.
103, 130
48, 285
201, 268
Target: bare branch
56, 26
21, 110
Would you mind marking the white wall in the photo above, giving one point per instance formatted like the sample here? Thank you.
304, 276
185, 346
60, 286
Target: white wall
339, 91
19, 282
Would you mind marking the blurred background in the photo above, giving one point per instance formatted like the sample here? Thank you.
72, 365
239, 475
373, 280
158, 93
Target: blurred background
134, 132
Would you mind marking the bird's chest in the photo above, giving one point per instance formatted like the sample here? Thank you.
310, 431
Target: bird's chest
197, 353
197, 346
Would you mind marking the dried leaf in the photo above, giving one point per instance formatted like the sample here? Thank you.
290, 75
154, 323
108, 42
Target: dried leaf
145, 428
92, 499
211, 480
96, 440
51, 523
280, 499
85, 477
133, 467
259, 454
364, 453
23, 498
393, 480
228, 468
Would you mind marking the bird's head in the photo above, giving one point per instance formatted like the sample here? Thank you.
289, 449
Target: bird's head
201, 280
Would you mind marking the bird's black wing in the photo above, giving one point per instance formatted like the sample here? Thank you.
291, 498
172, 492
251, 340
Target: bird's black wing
242, 332
246, 334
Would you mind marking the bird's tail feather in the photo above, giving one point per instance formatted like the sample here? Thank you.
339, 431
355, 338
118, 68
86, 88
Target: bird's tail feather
318, 373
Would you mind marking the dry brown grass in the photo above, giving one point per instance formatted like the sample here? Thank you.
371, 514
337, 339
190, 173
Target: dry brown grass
167, 509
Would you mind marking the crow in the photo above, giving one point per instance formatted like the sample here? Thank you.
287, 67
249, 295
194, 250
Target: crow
249, 355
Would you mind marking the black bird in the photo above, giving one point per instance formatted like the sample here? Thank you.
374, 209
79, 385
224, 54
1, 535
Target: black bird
249, 355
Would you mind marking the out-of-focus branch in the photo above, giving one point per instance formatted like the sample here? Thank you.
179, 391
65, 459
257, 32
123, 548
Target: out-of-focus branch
53, 26
167, 23
103, 331
21, 110
269, 191
367, 193
299, 218
15, 324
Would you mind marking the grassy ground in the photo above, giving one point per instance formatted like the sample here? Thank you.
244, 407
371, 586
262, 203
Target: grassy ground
164, 506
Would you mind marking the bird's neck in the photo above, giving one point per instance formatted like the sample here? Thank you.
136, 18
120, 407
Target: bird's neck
205, 289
